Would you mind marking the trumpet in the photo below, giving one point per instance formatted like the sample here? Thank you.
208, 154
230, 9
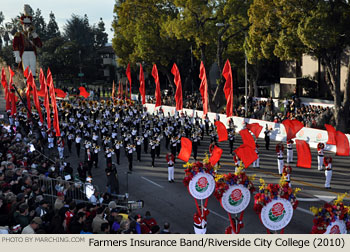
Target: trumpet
139, 138
87, 142
97, 147
118, 141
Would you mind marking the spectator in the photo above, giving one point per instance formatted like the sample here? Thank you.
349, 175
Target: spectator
166, 228
34, 225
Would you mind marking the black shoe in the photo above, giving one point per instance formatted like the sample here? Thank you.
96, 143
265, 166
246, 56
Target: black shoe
328, 188
169, 181
172, 181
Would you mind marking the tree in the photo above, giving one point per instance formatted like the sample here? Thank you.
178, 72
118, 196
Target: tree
52, 30
101, 37
289, 28
79, 32
195, 22
39, 24
139, 36
232, 19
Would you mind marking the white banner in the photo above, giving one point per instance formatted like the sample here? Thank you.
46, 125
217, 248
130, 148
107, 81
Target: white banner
278, 133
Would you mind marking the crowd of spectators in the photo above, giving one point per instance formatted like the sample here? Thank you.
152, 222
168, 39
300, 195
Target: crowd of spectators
28, 206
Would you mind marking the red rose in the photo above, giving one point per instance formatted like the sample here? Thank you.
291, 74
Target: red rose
202, 182
277, 209
236, 194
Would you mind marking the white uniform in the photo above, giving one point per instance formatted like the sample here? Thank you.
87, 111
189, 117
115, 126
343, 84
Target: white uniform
328, 174
280, 161
170, 170
320, 158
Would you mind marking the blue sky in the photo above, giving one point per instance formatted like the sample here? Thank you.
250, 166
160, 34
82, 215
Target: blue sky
63, 10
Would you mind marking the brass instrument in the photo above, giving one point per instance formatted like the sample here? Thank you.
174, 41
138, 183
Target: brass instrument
87, 142
131, 146
109, 103
118, 142
139, 138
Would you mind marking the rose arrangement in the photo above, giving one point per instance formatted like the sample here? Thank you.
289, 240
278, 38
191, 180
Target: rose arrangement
223, 182
323, 216
268, 192
194, 168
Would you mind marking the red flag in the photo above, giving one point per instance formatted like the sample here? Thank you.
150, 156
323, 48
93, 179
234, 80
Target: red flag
119, 94
60, 93
156, 80
247, 138
126, 90
142, 86
204, 88
83, 92
292, 127
222, 131
304, 154
12, 95
29, 106
35, 96
45, 92
331, 134
247, 154
178, 93
342, 144
228, 89
121, 90
56, 124
42, 83
128, 74
26, 72
186, 149
113, 90
215, 155
5, 86
256, 128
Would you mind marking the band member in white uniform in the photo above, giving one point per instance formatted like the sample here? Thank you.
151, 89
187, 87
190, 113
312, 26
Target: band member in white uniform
280, 162
320, 148
170, 159
200, 221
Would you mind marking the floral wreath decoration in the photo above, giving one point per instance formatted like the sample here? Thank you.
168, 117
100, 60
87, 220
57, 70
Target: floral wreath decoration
269, 192
194, 168
224, 181
329, 213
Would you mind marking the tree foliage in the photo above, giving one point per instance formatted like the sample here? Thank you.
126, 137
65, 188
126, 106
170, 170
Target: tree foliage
288, 29
139, 36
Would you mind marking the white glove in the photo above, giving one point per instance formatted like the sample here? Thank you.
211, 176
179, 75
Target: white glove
34, 34
17, 56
